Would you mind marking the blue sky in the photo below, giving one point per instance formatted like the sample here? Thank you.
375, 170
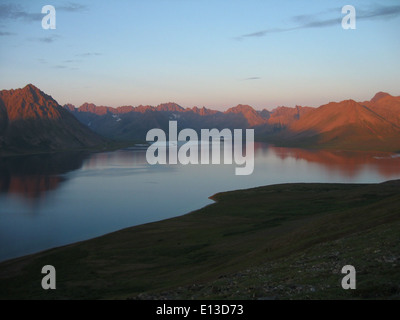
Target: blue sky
215, 53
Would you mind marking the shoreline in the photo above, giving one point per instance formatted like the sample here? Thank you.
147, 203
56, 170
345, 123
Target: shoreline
243, 230
103, 235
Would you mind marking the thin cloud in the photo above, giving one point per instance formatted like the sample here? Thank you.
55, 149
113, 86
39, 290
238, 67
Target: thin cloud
48, 39
304, 19
5, 33
380, 12
89, 54
261, 33
321, 23
314, 21
63, 67
71, 61
72, 7
15, 12
252, 78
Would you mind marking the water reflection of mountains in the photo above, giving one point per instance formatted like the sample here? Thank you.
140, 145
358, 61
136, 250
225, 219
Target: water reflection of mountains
32, 176
349, 163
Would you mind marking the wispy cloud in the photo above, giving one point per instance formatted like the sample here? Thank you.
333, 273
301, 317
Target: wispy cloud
48, 39
63, 67
5, 33
71, 61
13, 12
72, 7
262, 33
252, 78
89, 54
380, 12
17, 12
314, 20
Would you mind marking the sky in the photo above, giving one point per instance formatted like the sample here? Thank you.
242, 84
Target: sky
213, 53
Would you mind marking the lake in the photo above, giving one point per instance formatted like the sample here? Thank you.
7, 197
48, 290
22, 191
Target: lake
52, 200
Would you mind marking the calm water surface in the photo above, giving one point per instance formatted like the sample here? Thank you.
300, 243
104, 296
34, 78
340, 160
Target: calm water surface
53, 200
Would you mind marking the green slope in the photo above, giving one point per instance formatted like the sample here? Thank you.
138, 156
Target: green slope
276, 236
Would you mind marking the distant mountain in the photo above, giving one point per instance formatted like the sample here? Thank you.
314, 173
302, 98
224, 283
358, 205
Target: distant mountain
266, 114
32, 121
281, 117
369, 125
132, 123
348, 125
385, 105
251, 116
170, 107
202, 111
69, 107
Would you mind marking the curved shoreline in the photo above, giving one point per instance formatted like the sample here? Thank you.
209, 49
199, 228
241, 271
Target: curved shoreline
244, 230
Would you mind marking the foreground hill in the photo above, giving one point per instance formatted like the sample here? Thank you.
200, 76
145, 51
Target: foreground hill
275, 242
32, 121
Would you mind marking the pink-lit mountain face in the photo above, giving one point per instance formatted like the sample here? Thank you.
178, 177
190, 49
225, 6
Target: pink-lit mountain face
31, 120
340, 125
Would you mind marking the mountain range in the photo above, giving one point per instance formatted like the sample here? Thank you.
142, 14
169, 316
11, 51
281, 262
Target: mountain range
132, 123
348, 125
31, 120
373, 125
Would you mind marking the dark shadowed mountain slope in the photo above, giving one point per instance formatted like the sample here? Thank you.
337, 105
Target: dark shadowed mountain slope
284, 116
134, 123
386, 106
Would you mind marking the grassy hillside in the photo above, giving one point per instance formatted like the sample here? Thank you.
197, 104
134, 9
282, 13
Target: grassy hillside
282, 241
